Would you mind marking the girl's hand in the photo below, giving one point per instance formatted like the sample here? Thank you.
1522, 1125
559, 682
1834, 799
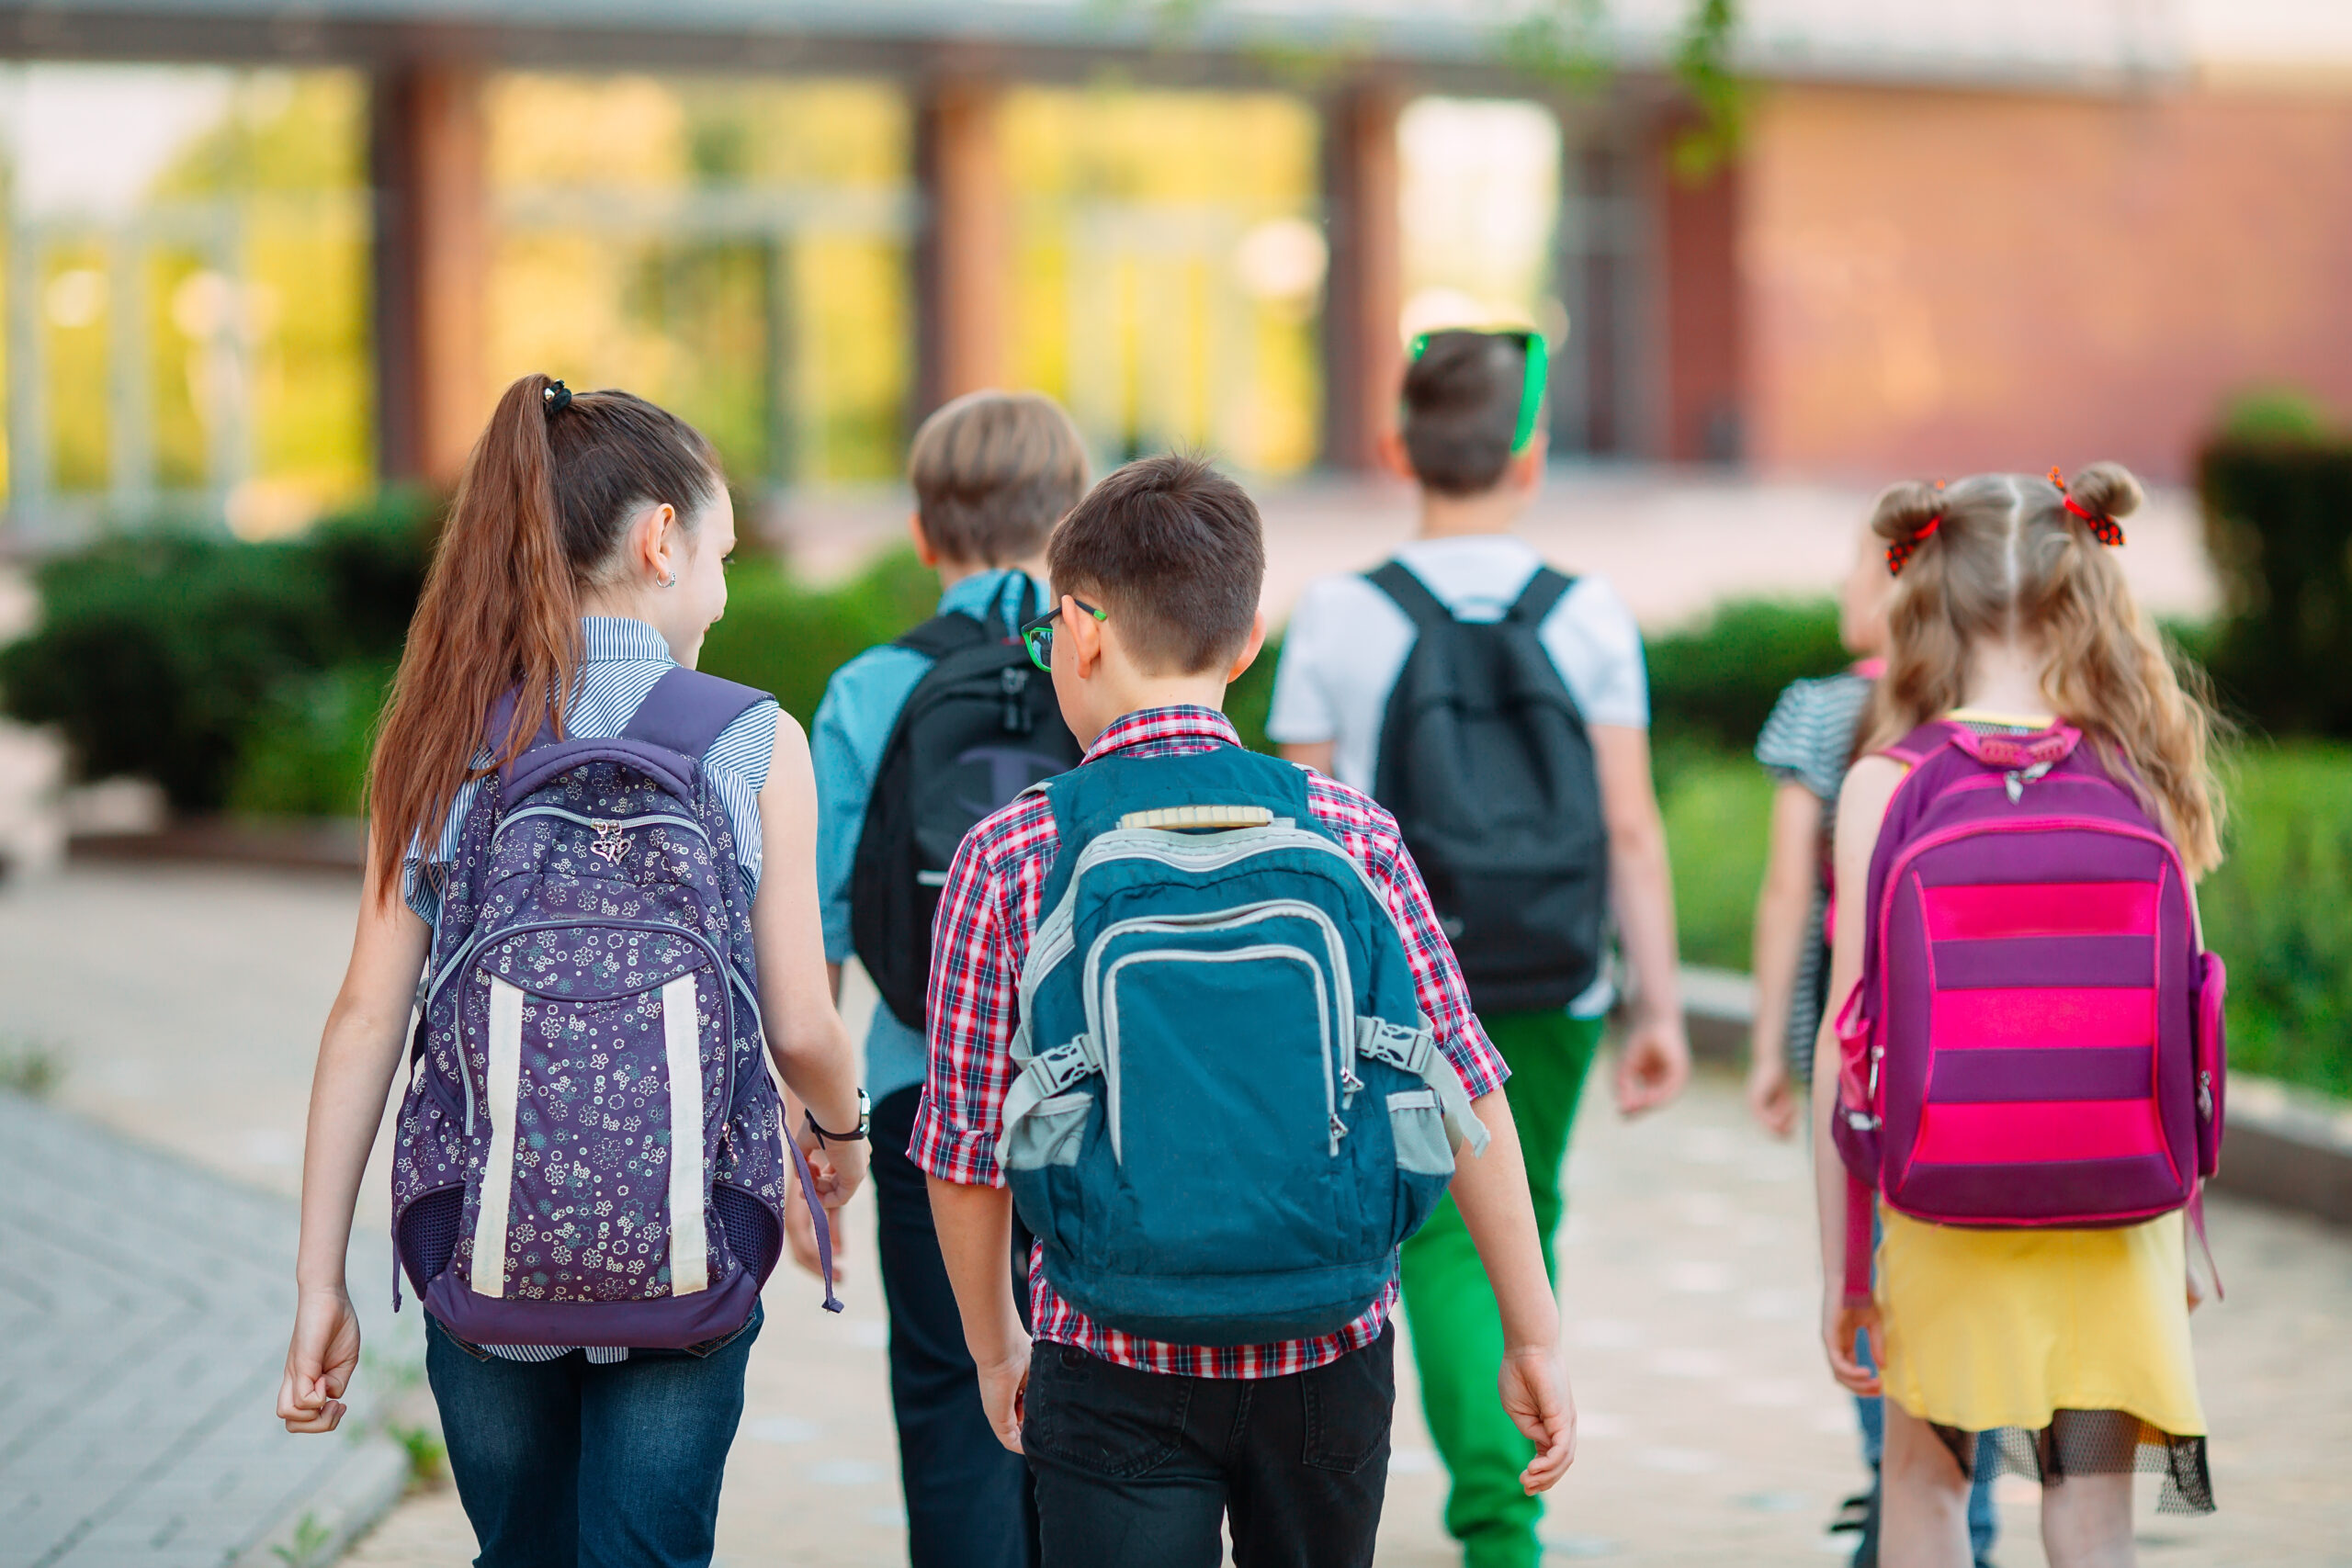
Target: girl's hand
839, 1168
1770, 1099
319, 1361
800, 1231
1841, 1323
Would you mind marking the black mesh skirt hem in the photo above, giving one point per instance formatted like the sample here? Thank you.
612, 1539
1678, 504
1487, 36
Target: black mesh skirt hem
2094, 1442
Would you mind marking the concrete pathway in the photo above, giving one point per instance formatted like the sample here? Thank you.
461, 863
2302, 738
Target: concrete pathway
184, 1007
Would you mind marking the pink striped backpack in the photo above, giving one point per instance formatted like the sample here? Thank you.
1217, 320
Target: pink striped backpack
2036, 1040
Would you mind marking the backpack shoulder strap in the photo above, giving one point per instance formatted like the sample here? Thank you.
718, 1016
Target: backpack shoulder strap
1540, 597
686, 710
942, 635
1920, 744
1412, 594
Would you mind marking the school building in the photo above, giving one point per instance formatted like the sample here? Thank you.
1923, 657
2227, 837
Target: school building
1949, 237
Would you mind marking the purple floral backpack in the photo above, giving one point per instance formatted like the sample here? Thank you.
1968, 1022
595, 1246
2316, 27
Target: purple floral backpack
590, 1149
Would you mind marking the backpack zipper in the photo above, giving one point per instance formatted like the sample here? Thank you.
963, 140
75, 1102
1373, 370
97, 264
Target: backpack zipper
1110, 1025
1238, 915
601, 824
1056, 935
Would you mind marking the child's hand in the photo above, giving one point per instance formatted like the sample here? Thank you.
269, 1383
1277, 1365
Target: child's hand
839, 1168
320, 1360
800, 1231
1840, 1323
1535, 1394
1653, 1066
1770, 1098
1004, 1389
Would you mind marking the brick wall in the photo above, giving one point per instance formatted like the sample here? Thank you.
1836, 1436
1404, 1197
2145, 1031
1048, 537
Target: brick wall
1937, 283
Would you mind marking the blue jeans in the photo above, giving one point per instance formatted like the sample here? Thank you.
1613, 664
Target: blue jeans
563, 1464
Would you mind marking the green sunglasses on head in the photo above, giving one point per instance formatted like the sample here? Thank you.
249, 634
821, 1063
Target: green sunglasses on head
1539, 371
1037, 635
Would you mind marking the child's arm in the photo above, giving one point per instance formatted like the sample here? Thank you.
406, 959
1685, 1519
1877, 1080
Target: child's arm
975, 1225
810, 1048
1869, 786
1656, 1060
1783, 913
359, 1055
1491, 1191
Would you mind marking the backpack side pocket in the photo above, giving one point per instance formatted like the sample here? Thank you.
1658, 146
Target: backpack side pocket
2212, 1059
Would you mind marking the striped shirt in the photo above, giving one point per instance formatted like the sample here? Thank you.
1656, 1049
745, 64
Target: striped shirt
621, 659
980, 938
1809, 740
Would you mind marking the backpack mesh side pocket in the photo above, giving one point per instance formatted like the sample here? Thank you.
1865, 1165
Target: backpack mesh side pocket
429, 1231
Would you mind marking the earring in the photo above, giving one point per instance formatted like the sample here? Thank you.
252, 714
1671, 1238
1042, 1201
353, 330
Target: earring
671, 580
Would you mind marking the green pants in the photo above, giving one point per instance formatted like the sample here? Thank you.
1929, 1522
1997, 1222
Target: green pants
1457, 1328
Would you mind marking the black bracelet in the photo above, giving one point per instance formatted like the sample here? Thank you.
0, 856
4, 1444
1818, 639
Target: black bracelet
826, 1135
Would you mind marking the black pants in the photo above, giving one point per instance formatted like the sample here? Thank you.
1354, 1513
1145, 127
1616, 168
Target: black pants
1137, 1470
969, 1500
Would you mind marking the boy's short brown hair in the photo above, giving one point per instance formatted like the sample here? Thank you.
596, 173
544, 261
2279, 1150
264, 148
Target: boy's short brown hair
1460, 409
992, 472
1176, 551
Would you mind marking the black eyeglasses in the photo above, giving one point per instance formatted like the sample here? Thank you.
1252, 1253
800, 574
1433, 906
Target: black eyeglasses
1037, 635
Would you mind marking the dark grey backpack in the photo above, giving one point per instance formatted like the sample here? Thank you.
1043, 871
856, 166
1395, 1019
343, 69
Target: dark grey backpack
1487, 766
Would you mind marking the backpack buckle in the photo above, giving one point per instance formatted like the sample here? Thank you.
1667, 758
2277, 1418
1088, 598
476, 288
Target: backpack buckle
1064, 1064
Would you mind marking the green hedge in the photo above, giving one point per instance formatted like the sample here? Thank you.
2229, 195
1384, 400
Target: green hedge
1715, 683
161, 652
2279, 526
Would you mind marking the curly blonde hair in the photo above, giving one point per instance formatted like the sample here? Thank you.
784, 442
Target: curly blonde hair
2002, 556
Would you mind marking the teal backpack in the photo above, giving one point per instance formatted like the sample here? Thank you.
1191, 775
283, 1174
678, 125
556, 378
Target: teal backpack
1229, 1110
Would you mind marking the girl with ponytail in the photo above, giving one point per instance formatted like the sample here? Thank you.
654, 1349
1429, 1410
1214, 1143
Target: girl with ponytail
582, 561
2060, 1353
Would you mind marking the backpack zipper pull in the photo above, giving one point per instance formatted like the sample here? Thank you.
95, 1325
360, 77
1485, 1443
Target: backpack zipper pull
1349, 1084
1014, 684
2016, 779
2205, 1097
1339, 1131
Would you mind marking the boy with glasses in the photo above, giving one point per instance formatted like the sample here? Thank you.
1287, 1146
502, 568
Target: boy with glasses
914, 743
1191, 1006
1500, 710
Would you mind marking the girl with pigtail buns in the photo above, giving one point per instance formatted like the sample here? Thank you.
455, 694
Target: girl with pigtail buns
2010, 616
583, 561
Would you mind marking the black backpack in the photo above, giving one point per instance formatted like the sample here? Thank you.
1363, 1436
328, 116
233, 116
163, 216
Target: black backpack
1487, 766
981, 726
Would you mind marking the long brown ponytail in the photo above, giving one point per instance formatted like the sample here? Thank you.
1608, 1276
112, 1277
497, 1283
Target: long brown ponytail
537, 516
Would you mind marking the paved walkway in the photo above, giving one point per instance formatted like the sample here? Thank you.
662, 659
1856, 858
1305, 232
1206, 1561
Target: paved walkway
184, 1005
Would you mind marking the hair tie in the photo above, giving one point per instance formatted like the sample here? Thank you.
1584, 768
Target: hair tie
1899, 553
557, 397
2104, 529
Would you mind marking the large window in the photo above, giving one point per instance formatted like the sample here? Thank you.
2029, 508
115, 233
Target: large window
1169, 268
185, 296
734, 249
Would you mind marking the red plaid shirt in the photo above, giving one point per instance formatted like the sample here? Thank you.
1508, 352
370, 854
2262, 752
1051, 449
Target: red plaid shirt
980, 939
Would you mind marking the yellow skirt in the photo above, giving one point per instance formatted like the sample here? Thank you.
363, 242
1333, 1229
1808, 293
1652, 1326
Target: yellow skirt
1988, 1329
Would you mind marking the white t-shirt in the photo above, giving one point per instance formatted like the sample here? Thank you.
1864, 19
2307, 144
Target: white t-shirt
1348, 642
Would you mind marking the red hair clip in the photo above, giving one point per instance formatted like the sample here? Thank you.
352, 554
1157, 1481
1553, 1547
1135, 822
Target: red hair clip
1899, 553
2106, 530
